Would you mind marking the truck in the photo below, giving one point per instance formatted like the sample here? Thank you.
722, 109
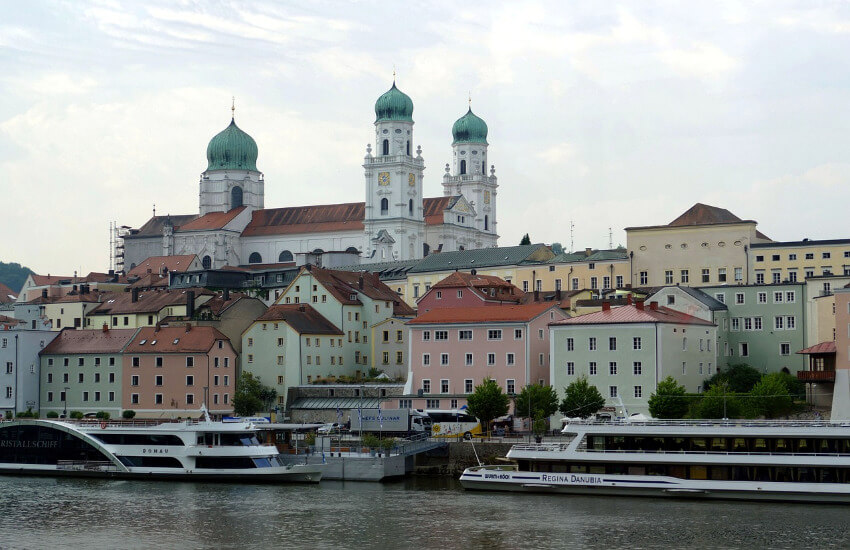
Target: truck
400, 422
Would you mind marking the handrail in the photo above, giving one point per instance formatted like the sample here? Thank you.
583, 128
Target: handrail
731, 423
557, 448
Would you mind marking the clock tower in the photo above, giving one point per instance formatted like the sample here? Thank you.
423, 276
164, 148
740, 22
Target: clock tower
394, 218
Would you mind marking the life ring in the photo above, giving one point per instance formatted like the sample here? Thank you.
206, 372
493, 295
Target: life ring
436, 428
103, 425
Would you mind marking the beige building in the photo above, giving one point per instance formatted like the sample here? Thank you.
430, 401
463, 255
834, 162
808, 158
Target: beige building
704, 246
588, 269
389, 347
776, 262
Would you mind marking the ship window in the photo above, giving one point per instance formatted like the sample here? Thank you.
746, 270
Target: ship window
223, 462
150, 461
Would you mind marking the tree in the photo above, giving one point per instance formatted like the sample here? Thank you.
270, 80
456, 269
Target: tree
536, 401
525, 240
770, 396
488, 402
581, 399
557, 248
718, 402
669, 400
739, 378
13, 275
251, 395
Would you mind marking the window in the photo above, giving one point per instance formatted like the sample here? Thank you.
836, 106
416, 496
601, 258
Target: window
636, 343
190, 380
426, 359
593, 284
638, 391
721, 274
571, 368
684, 343
785, 348
134, 398
426, 335
668, 277
444, 359
612, 368
50, 396
574, 283
494, 334
190, 398
739, 297
468, 359
111, 377
441, 335
509, 359
644, 278
748, 325
792, 275
491, 358
399, 336
426, 386
464, 335
759, 258
779, 322
739, 273
135, 362
762, 297
591, 368
684, 367
637, 368
736, 323
540, 360
386, 358
570, 344
158, 380
777, 297
756, 326
826, 255
743, 349
399, 357
684, 275
706, 277
612, 343
467, 386
134, 380
444, 386
612, 391
190, 361
790, 322
385, 206
591, 343
619, 280
518, 334
510, 386
790, 296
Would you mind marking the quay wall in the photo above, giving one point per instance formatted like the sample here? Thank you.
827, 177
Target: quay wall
452, 459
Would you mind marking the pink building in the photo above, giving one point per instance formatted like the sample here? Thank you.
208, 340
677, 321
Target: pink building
841, 393
454, 349
467, 290
172, 371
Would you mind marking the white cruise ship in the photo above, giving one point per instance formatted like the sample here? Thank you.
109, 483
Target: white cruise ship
187, 450
759, 460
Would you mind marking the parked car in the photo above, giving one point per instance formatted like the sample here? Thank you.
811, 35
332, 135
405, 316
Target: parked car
334, 427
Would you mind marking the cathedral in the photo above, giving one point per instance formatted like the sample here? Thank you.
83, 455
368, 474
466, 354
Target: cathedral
395, 222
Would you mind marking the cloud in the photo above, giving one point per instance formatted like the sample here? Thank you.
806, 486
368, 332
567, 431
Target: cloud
700, 60
57, 84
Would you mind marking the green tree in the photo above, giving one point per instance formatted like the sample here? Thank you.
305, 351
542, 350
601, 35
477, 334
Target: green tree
581, 399
718, 402
739, 378
525, 239
13, 275
251, 395
536, 401
557, 248
488, 402
669, 400
770, 396
796, 388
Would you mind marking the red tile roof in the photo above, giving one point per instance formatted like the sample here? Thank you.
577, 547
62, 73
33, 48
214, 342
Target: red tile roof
483, 314
632, 314
76, 297
156, 263
704, 214
151, 280
8, 322
89, 341
175, 340
217, 304
481, 285
213, 220
151, 301
7, 295
42, 280
344, 284
302, 318
823, 347
433, 209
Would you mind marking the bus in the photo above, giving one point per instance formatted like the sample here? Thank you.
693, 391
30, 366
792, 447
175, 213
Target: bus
453, 423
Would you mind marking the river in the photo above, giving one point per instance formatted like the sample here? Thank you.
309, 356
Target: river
413, 513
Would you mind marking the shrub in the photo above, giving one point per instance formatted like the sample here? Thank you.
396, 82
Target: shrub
669, 400
103, 415
770, 396
53, 414
371, 440
717, 402
310, 438
739, 378
76, 415
128, 414
388, 443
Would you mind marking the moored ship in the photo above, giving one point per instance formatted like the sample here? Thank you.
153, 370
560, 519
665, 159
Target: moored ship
758, 460
185, 450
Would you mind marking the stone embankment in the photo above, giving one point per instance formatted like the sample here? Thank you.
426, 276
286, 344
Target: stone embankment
452, 459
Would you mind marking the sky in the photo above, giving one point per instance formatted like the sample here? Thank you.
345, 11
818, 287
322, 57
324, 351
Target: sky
601, 114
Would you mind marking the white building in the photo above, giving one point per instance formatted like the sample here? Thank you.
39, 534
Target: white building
395, 222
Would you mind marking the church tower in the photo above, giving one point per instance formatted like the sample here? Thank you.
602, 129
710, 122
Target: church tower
231, 178
394, 218
468, 175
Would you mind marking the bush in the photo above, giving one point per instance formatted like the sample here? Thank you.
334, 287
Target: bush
103, 415
128, 414
669, 400
388, 443
310, 438
76, 415
738, 378
770, 397
53, 414
717, 402
796, 388
371, 440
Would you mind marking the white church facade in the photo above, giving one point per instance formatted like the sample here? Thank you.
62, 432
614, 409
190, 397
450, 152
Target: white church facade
395, 222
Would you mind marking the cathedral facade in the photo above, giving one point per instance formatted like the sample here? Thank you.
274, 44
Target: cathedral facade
395, 221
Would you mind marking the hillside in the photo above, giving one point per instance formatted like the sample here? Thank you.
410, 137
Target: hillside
13, 275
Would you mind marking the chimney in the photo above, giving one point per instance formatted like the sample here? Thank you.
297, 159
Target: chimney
134, 295
629, 299
190, 303
588, 251
226, 295
360, 281
653, 306
111, 272
44, 293
105, 327
149, 271
558, 294
606, 305
188, 327
639, 304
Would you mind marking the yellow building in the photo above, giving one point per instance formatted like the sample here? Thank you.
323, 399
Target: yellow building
593, 270
776, 262
144, 309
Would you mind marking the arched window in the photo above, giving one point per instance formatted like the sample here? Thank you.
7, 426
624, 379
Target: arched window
408, 148
236, 197
410, 206
285, 256
385, 206
425, 249
462, 167
352, 250
207, 262
385, 148
255, 258
486, 222
318, 251
483, 167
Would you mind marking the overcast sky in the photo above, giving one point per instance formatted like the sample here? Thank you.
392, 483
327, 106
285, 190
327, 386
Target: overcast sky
606, 114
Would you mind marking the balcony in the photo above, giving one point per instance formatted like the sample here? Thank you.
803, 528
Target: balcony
816, 375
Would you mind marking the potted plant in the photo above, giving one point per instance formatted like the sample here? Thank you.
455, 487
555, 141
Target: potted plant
310, 440
372, 442
387, 444
539, 428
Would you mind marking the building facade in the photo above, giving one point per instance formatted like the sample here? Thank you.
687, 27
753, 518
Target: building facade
20, 368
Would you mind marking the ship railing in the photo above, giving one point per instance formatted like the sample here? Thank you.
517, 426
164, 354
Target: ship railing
495, 467
86, 465
541, 447
722, 423
702, 453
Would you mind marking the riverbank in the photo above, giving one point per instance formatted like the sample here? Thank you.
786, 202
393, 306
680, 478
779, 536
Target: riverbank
452, 459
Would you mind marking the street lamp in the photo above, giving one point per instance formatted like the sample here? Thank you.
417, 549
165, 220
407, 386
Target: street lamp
65, 400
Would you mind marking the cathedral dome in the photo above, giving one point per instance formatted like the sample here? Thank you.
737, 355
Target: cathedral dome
232, 149
469, 128
394, 105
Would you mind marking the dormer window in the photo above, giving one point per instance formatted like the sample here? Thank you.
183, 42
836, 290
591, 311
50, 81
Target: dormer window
352, 297
142, 343
175, 341
153, 342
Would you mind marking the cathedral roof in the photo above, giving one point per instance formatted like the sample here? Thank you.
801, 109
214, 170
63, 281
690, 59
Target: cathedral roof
232, 149
156, 264
153, 227
213, 220
470, 128
394, 105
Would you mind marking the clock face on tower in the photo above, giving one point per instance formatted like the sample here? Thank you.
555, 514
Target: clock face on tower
383, 178
411, 180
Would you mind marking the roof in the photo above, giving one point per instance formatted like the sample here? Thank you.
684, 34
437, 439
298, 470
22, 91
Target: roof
156, 263
710, 302
213, 220
148, 302
153, 227
307, 219
333, 403
701, 214
385, 270
7, 295
632, 314
804, 242
483, 314
182, 339
151, 280
482, 285
7, 322
823, 347
433, 208
218, 305
302, 318
43, 280
483, 257
75, 297
89, 341
344, 284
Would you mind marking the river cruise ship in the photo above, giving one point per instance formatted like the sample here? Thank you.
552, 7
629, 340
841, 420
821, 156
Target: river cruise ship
182, 450
758, 460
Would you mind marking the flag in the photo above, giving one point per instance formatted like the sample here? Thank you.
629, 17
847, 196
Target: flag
338, 415
381, 417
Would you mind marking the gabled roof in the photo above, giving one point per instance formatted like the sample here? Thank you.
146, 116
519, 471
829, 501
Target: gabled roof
157, 263
174, 339
153, 227
43, 280
704, 214
213, 220
633, 314
76, 297
302, 318
151, 280
821, 348
434, 207
345, 284
386, 271
484, 257
150, 301
307, 219
7, 295
483, 314
709, 302
218, 305
89, 341
7, 322
481, 285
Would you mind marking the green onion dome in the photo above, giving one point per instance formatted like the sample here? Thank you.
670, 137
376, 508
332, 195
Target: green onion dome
469, 129
394, 105
232, 149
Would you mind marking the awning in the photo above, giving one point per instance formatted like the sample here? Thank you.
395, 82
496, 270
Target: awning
333, 403
823, 347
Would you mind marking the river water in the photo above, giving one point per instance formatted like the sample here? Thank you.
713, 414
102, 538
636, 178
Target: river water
414, 513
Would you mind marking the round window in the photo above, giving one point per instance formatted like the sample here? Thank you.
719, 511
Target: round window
386, 131
668, 246
721, 244
398, 130
704, 245
737, 243
463, 152
643, 248
684, 245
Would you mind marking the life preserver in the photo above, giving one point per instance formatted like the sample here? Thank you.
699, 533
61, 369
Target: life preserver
103, 425
436, 428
